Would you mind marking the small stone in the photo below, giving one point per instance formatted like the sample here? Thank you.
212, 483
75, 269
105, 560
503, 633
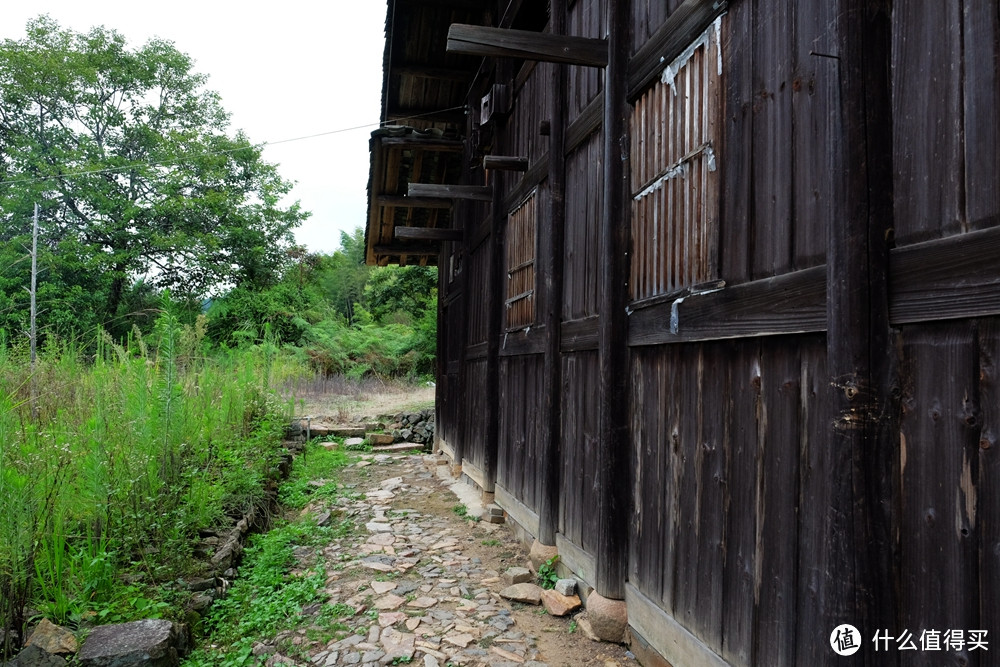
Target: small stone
566, 586
507, 655
423, 603
263, 649
517, 575
526, 593
431, 661
354, 442
52, 638
323, 518
412, 624
460, 640
389, 602
383, 587
558, 604
397, 644
391, 618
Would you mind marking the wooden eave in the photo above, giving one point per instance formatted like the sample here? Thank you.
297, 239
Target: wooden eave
424, 91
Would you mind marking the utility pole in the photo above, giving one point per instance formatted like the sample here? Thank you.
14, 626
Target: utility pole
34, 332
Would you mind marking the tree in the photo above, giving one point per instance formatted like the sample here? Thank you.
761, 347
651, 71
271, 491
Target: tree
129, 157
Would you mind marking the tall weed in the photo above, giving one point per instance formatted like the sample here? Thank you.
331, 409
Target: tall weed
134, 450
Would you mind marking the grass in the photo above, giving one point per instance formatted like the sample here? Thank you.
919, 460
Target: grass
119, 460
267, 597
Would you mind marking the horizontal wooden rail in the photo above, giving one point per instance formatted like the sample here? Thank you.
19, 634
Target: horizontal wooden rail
957, 277
428, 234
445, 191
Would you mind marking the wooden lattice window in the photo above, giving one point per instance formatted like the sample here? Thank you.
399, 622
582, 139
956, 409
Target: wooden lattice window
675, 186
521, 228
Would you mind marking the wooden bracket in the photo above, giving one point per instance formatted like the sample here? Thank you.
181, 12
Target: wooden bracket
507, 163
429, 234
477, 40
444, 191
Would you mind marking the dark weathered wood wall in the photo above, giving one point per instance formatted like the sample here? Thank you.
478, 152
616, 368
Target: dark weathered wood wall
730, 438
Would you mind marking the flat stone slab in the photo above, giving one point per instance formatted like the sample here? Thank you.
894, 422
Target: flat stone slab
147, 643
558, 604
525, 593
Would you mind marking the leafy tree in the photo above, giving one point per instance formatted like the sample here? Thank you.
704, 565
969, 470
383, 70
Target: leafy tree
129, 158
403, 292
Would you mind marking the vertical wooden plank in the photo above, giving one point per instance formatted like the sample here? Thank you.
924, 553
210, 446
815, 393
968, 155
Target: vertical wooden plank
939, 452
671, 472
686, 434
989, 474
613, 488
819, 468
715, 419
816, 135
739, 501
777, 512
735, 155
981, 87
927, 119
771, 140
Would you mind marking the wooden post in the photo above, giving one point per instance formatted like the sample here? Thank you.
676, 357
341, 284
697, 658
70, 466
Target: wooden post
552, 259
860, 583
613, 483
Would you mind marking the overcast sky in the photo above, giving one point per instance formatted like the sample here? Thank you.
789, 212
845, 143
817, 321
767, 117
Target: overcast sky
284, 70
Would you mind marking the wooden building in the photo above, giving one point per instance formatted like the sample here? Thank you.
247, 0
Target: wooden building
719, 303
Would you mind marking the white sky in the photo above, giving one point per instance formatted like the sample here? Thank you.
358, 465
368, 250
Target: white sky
284, 70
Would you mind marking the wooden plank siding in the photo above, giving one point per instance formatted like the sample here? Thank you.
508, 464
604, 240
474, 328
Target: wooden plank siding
579, 446
522, 428
582, 252
753, 522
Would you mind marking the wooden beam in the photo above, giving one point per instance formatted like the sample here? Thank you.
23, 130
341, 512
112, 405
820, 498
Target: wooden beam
414, 250
423, 143
412, 202
440, 73
425, 114
477, 40
505, 162
680, 29
446, 191
428, 234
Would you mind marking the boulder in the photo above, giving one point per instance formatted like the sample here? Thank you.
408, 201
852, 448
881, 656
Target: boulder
380, 438
52, 638
34, 656
146, 643
540, 554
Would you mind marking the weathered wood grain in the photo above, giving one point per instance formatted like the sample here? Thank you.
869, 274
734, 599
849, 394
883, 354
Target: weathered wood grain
429, 234
939, 453
507, 43
446, 191
680, 29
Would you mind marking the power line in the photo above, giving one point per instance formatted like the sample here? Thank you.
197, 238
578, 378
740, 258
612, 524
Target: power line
166, 163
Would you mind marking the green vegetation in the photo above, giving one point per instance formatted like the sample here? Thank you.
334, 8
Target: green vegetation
131, 453
172, 306
269, 596
547, 574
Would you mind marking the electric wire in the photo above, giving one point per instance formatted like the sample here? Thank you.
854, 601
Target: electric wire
167, 163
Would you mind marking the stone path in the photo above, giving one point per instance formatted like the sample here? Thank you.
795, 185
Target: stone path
413, 577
